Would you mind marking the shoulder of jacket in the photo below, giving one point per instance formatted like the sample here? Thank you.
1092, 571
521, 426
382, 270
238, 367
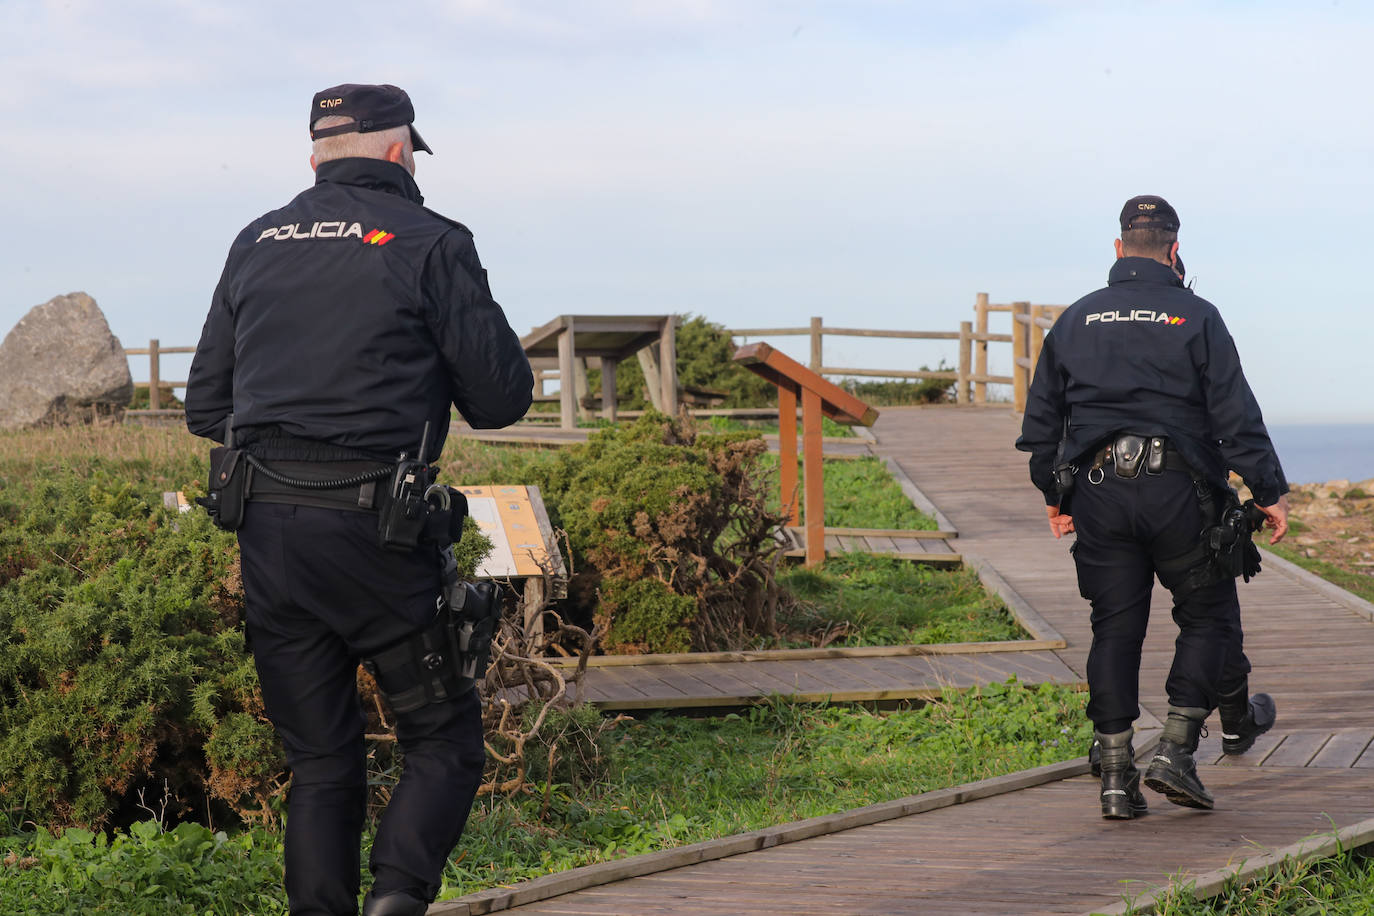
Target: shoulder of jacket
451, 223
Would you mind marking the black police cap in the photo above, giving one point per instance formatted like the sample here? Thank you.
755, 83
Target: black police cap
371, 108
1148, 212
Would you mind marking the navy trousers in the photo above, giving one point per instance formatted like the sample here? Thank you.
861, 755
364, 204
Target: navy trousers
1125, 528
320, 595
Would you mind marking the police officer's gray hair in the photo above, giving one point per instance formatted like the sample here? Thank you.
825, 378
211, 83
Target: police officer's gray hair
1148, 243
370, 145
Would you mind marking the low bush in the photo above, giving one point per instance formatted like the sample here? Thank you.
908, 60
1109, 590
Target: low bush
123, 617
897, 393
705, 361
671, 532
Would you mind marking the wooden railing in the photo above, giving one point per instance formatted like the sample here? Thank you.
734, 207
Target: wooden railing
1029, 323
155, 382
971, 378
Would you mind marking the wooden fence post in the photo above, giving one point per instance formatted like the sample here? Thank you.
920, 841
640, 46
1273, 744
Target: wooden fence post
154, 382
653, 385
961, 390
787, 452
667, 362
608, 367
813, 473
1020, 353
1037, 337
980, 359
816, 334
567, 385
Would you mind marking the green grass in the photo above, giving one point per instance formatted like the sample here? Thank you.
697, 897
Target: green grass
661, 782
1356, 583
672, 780
1340, 884
860, 493
147, 871
878, 601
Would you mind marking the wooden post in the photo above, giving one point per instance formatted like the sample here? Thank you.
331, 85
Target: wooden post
815, 477
1037, 337
787, 452
961, 389
667, 364
980, 351
653, 387
154, 383
816, 334
1020, 350
608, 364
581, 388
567, 397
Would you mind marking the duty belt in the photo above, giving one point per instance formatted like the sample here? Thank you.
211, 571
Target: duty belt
354, 493
1129, 454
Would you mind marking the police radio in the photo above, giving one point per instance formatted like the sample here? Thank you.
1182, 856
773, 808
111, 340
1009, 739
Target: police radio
405, 508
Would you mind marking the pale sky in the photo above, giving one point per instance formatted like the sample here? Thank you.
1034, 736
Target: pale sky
873, 162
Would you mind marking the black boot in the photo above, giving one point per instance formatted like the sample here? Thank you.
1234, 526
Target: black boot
1173, 772
1121, 798
397, 903
1244, 718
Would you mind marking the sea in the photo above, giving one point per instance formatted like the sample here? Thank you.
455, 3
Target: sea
1316, 453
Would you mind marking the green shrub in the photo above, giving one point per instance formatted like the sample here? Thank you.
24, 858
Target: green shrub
125, 667
646, 613
705, 359
889, 393
121, 616
656, 502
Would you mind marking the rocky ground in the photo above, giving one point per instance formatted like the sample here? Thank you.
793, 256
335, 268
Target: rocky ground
1334, 521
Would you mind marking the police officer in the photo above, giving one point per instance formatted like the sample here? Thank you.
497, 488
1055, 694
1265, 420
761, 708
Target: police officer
1137, 411
344, 326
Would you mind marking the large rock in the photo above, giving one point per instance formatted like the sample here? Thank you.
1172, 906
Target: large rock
61, 365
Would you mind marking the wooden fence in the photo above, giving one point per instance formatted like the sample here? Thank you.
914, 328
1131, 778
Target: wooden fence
971, 379
156, 383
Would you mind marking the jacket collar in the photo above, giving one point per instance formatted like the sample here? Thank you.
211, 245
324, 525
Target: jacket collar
1147, 270
373, 174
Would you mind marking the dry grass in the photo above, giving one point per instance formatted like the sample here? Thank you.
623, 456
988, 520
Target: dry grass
168, 455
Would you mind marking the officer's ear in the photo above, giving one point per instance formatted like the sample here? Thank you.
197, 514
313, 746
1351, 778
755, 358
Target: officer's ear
398, 154
1173, 255
1119, 253
313, 167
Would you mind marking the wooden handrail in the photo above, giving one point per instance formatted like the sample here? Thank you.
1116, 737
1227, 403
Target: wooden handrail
1028, 325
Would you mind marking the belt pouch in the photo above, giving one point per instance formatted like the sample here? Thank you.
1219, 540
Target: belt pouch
1128, 453
228, 476
1154, 457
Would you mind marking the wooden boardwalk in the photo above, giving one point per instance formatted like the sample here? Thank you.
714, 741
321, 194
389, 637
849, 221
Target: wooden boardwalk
1041, 847
737, 679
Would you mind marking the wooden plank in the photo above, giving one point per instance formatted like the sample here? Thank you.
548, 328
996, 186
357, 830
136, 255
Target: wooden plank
884, 532
1343, 749
761, 655
850, 544
878, 545
794, 832
1297, 748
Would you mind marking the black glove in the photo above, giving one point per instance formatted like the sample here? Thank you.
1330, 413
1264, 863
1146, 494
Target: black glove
1251, 565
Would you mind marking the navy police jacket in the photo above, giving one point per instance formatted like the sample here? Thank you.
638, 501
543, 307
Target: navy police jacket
1146, 356
347, 319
